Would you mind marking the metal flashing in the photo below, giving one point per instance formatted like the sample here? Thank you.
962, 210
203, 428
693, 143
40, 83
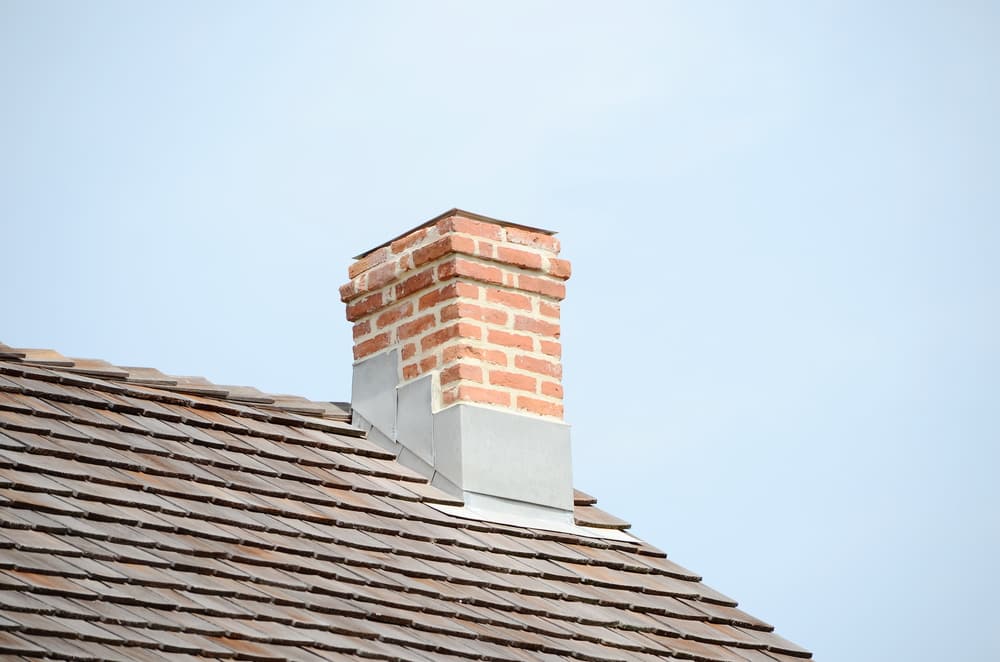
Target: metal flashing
488, 509
470, 448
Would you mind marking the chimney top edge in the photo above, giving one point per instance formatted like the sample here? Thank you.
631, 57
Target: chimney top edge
456, 212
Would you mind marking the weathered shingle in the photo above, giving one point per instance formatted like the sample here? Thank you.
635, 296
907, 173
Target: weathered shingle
147, 517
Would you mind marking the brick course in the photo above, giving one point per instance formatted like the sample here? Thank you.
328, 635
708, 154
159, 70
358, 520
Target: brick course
473, 303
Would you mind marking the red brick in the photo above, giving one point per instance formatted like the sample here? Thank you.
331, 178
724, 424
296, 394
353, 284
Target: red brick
411, 370
552, 389
462, 371
512, 380
373, 259
362, 329
486, 249
511, 299
443, 246
469, 226
546, 286
409, 240
541, 366
459, 330
506, 339
428, 363
449, 291
550, 347
409, 350
469, 393
542, 407
548, 309
455, 352
415, 283
415, 327
558, 268
394, 314
469, 269
519, 258
370, 346
366, 306
473, 312
535, 239
431, 251
349, 291
381, 276
534, 325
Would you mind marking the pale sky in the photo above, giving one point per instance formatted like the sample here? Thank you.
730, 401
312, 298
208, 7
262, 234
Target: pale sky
782, 335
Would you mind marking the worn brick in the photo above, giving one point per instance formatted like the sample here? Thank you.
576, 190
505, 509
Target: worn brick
362, 307
461, 267
415, 327
510, 299
551, 389
408, 351
449, 291
558, 268
519, 258
507, 339
470, 393
463, 351
349, 291
469, 226
534, 325
370, 346
534, 239
542, 285
454, 330
394, 314
541, 407
412, 239
415, 283
473, 312
462, 371
486, 249
381, 276
373, 259
512, 380
443, 246
362, 329
550, 347
541, 366
547, 309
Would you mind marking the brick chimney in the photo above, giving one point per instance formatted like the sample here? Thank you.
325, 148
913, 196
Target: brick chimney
457, 356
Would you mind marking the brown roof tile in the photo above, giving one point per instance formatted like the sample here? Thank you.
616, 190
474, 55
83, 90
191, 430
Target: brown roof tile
150, 517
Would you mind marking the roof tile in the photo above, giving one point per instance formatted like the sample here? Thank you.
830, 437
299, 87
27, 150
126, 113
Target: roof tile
144, 516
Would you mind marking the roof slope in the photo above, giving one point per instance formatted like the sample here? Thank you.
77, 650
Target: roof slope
146, 517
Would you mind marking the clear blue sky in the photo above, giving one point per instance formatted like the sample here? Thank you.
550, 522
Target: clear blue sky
782, 337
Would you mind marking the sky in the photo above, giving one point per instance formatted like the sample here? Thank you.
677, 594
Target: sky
782, 335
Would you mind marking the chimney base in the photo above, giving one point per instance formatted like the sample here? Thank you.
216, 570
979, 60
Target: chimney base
493, 459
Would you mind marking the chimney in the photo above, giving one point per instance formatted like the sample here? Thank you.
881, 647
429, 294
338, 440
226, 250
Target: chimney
457, 360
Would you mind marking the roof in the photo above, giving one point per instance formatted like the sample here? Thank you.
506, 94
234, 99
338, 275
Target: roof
147, 517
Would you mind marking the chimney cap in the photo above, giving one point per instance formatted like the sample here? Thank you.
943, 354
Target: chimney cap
455, 211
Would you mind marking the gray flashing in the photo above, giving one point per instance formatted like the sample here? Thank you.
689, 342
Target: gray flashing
508, 455
483, 508
373, 391
516, 460
414, 420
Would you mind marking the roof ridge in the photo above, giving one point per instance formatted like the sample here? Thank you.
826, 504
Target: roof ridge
190, 385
